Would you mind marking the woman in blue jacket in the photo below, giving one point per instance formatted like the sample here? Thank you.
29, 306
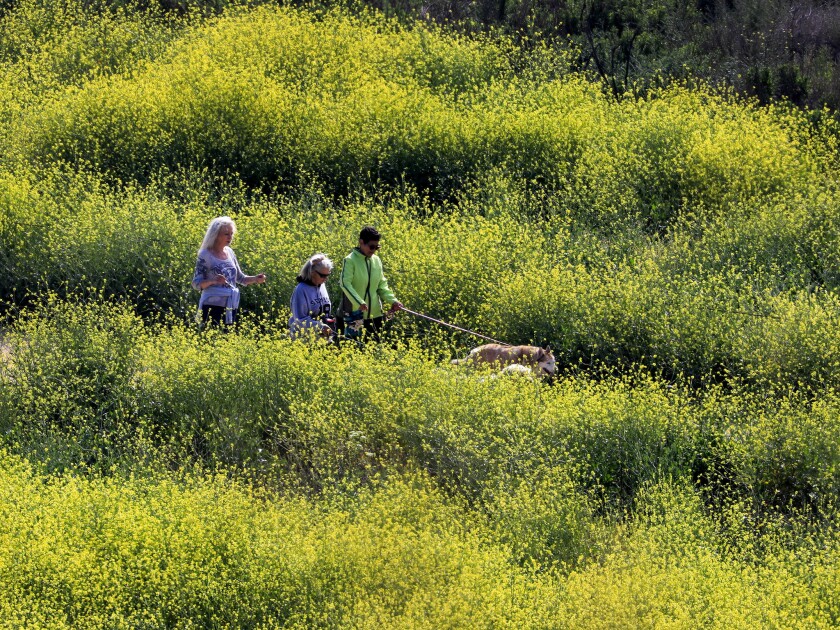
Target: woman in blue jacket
217, 273
311, 307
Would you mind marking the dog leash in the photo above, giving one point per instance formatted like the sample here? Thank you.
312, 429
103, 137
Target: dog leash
443, 323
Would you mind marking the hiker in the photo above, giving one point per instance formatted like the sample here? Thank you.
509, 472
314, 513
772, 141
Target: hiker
311, 306
364, 287
217, 273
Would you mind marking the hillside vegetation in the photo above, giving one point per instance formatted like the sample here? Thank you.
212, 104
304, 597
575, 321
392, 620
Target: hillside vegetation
679, 252
773, 49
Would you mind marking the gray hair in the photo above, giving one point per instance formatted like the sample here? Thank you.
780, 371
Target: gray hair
213, 231
315, 260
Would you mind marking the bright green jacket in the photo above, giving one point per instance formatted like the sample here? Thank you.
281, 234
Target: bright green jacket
362, 281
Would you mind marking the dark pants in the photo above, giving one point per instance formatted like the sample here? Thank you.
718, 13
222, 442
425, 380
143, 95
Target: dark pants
372, 327
215, 316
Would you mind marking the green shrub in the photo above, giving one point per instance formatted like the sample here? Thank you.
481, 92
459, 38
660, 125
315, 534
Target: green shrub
357, 101
67, 398
777, 451
206, 552
202, 550
675, 567
678, 252
266, 403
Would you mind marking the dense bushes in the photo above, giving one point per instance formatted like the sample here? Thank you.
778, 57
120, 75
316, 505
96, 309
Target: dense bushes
750, 296
91, 383
272, 96
678, 252
203, 551
777, 49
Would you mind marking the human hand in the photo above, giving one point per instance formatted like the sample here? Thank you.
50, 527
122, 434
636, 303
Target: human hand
363, 308
259, 278
219, 279
396, 306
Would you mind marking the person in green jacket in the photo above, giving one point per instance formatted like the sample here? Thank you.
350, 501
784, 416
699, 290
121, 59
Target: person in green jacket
364, 287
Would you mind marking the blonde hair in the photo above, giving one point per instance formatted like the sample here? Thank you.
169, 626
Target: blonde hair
213, 231
315, 260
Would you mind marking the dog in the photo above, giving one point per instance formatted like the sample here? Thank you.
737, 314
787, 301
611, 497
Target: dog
515, 369
540, 361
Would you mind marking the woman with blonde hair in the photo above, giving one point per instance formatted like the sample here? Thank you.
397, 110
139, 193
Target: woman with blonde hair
217, 273
311, 306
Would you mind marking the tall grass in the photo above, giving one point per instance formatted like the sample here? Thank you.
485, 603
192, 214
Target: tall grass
202, 551
678, 253
747, 299
275, 94
91, 383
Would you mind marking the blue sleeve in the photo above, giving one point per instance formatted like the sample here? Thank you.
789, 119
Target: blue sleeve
300, 307
200, 273
240, 277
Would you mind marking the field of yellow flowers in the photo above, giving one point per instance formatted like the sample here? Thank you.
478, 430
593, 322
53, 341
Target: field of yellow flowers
680, 254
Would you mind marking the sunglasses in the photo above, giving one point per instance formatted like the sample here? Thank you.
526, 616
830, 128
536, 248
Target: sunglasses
323, 275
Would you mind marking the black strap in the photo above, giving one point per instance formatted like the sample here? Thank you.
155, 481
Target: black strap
367, 290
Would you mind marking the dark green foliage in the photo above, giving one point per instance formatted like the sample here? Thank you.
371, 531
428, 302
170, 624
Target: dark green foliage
789, 47
677, 247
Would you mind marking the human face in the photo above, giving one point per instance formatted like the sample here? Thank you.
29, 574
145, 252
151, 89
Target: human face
369, 248
319, 276
224, 237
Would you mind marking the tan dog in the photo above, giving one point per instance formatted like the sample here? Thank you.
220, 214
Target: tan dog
538, 360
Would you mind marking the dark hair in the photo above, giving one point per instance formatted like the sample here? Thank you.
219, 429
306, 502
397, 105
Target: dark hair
369, 233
